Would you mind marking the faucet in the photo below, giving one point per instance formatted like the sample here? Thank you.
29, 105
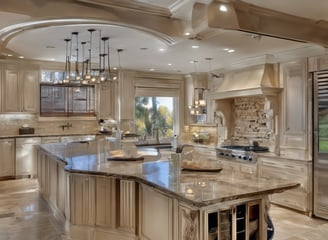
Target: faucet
67, 125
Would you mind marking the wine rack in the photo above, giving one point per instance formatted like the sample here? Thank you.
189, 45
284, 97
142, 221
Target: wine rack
239, 222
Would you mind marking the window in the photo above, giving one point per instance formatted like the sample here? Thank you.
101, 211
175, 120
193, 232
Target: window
158, 104
154, 112
58, 100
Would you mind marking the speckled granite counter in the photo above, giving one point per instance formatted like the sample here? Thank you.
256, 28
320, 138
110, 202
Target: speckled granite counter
196, 188
3, 136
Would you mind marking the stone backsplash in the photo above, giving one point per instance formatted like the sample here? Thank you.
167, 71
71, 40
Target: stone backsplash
253, 120
188, 135
10, 124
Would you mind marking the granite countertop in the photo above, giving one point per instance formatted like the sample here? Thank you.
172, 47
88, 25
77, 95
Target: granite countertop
196, 188
3, 136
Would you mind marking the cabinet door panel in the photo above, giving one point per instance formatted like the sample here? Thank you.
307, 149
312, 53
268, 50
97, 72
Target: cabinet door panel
156, 215
127, 206
294, 104
11, 93
30, 91
7, 159
26, 155
106, 202
82, 204
106, 101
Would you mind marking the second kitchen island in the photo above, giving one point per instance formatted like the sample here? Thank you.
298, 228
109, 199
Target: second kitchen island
101, 199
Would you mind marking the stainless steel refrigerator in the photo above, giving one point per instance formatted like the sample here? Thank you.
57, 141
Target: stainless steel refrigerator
320, 144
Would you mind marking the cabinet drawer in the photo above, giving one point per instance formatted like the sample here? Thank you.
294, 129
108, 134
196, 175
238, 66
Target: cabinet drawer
286, 168
239, 167
248, 169
268, 172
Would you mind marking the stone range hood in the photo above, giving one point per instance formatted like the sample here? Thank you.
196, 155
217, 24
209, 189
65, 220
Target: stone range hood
251, 81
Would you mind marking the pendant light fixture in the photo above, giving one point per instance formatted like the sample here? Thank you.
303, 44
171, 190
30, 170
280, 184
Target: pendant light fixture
66, 75
199, 102
93, 71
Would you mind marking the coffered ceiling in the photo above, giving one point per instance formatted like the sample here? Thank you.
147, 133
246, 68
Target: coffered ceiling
150, 32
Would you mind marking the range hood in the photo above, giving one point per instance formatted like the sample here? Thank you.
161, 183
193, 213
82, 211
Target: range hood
251, 81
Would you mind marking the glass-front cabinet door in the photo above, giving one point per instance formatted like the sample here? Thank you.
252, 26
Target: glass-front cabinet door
237, 222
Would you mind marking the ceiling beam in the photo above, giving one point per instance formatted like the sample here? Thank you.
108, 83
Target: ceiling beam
246, 17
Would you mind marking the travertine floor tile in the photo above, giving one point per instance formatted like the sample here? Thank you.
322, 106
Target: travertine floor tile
24, 215
290, 225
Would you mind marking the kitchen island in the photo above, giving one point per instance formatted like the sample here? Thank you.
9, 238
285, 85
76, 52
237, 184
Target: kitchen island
101, 199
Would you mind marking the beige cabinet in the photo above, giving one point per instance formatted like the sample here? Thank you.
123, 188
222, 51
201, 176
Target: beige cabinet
127, 206
26, 156
242, 168
106, 210
127, 97
30, 86
82, 199
106, 106
7, 159
52, 179
20, 84
292, 170
156, 215
294, 108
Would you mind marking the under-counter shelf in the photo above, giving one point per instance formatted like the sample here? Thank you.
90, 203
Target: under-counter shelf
237, 222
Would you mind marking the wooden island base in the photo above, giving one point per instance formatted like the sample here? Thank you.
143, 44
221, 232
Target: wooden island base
99, 199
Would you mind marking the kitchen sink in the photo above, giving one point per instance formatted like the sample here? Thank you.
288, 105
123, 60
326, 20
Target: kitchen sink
77, 138
154, 145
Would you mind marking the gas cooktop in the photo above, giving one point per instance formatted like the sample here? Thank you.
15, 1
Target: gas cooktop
246, 154
247, 148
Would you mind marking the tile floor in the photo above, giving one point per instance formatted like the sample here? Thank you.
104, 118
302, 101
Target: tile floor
25, 216
290, 225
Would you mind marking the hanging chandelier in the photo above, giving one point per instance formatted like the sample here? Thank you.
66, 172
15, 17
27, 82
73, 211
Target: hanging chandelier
199, 102
88, 62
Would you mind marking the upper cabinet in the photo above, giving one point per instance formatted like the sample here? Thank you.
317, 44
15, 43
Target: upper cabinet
106, 106
294, 108
127, 94
20, 88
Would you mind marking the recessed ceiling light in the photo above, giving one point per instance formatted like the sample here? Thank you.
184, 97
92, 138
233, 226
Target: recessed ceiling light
114, 68
223, 8
195, 46
187, 33
170, 64
21, 57
161, 49
229, 50
151, 69
9, 55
